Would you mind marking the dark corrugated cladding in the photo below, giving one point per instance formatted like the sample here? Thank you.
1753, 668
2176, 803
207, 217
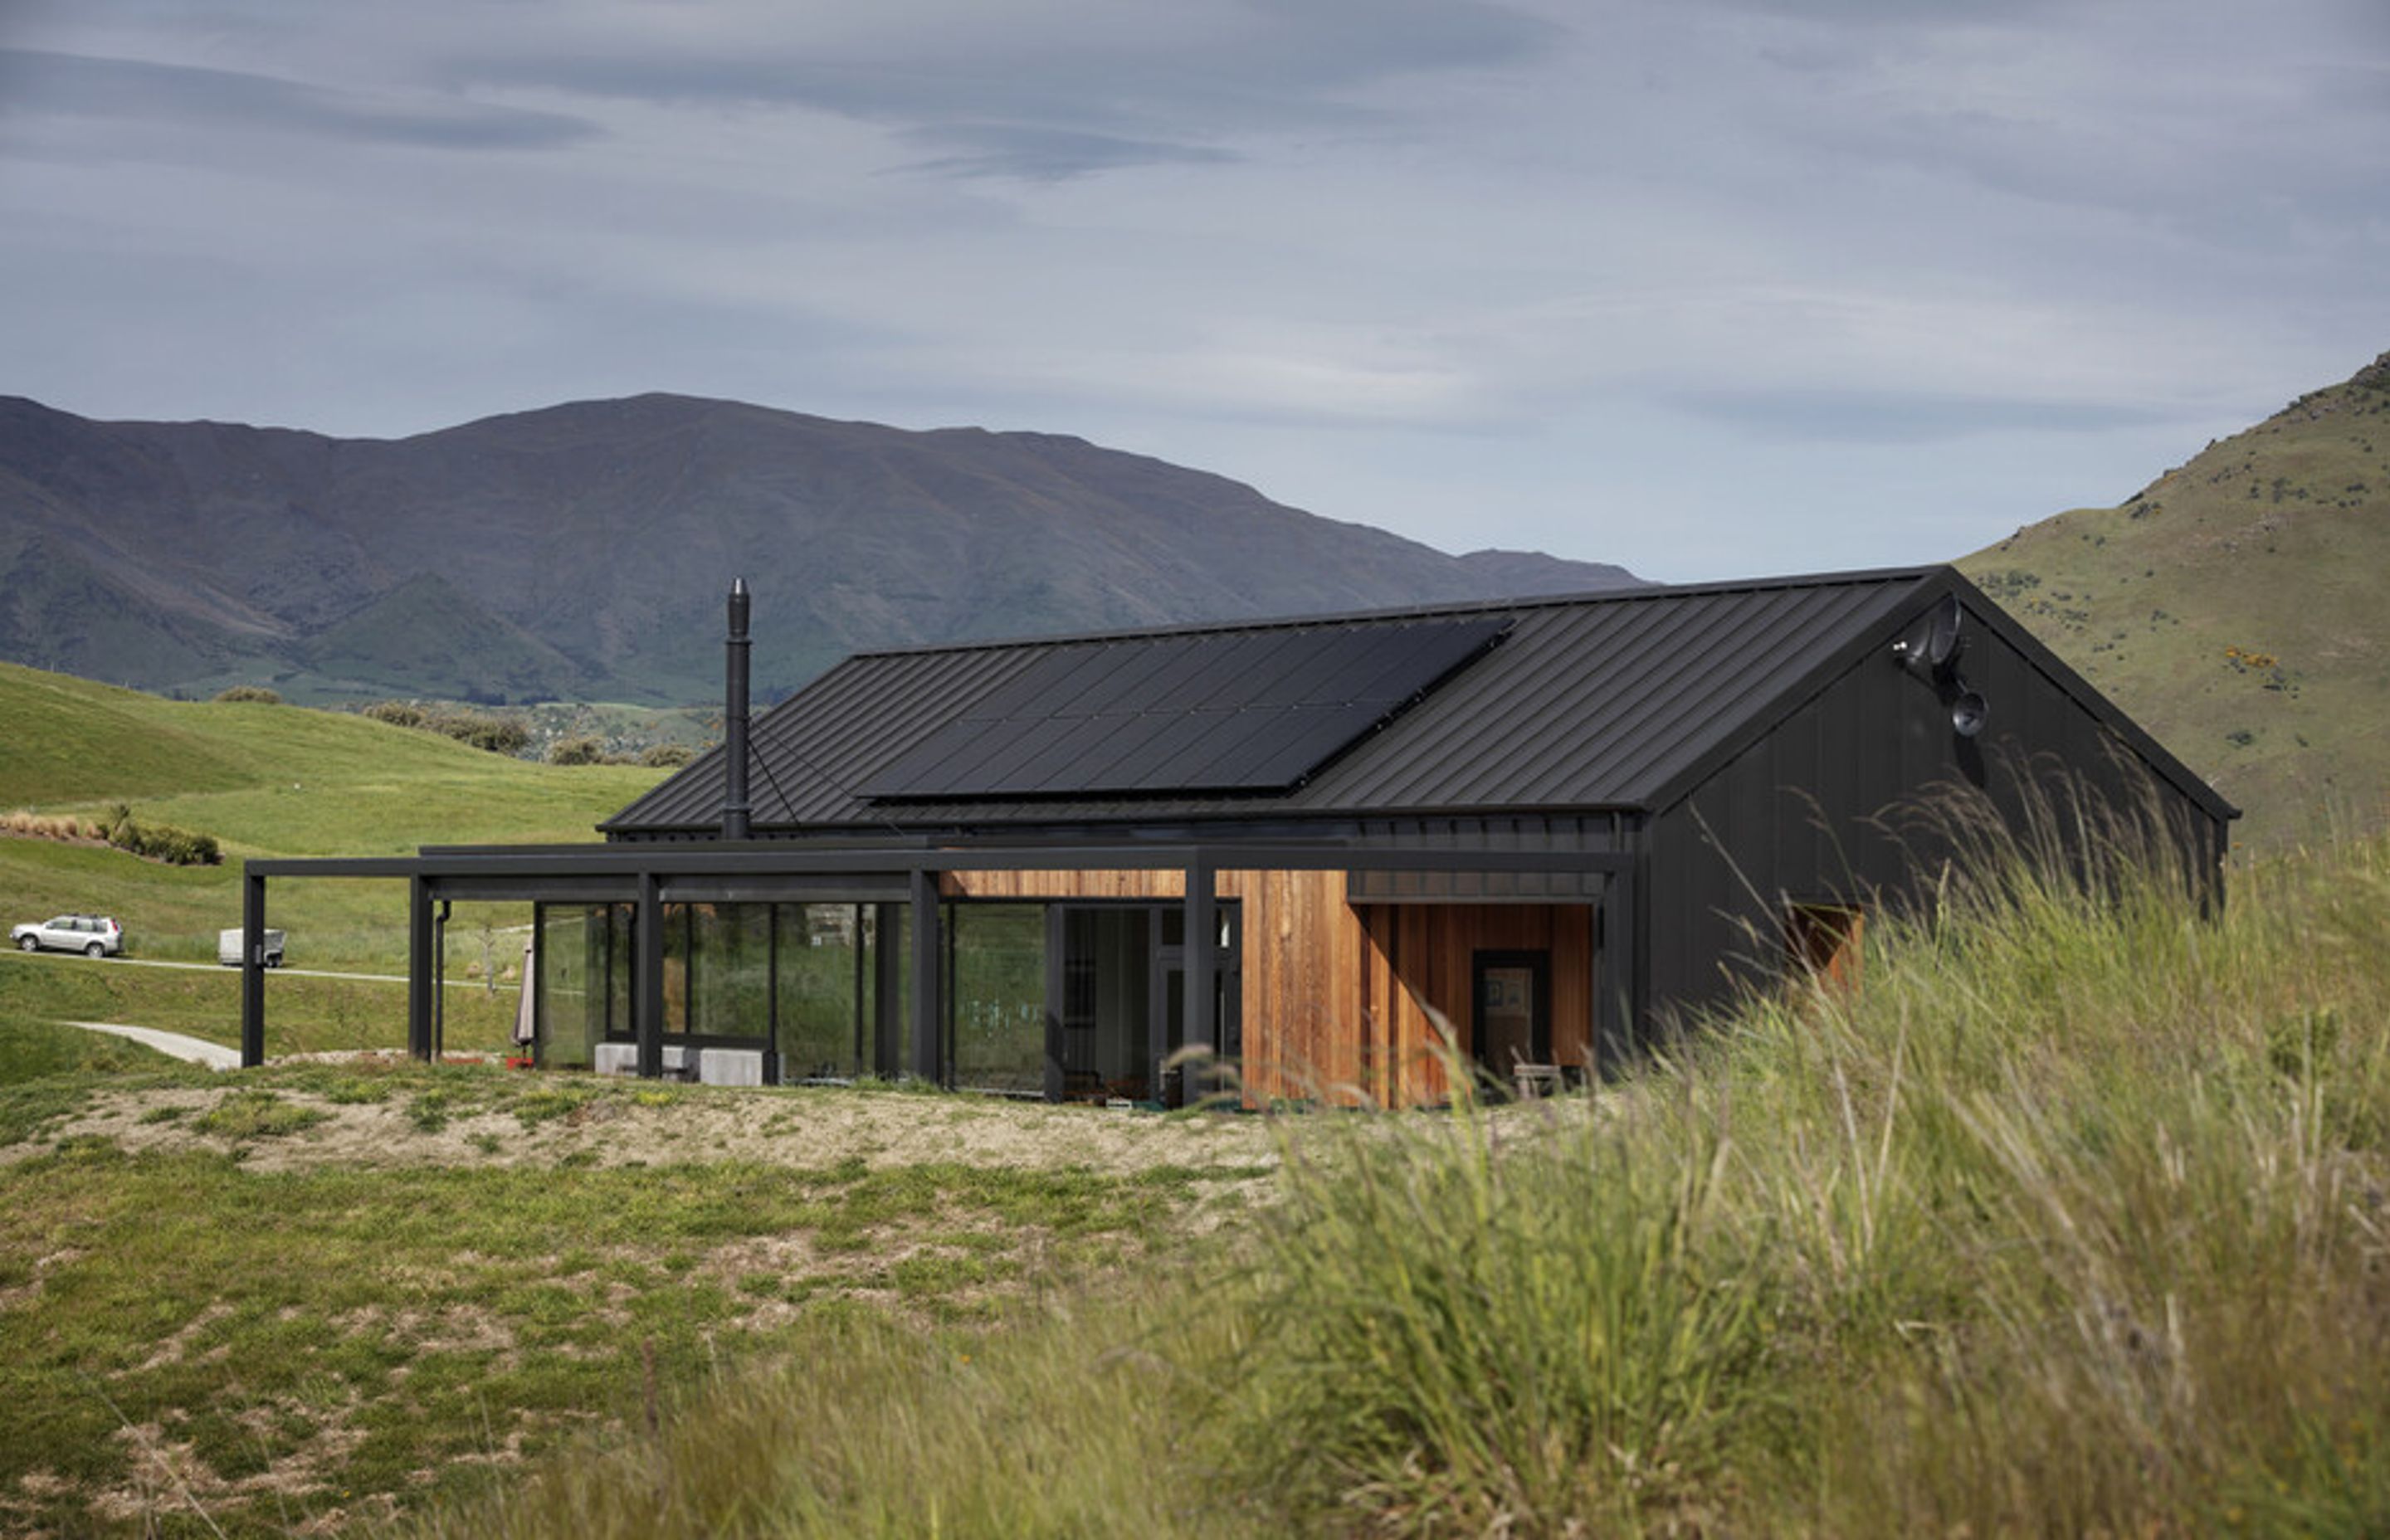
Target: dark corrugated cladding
1833, 801
1618, 699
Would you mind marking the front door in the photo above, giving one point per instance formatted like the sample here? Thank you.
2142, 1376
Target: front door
1511, 996
1183, 1087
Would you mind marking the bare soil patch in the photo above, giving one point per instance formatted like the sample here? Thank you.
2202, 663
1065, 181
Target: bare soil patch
806, 1128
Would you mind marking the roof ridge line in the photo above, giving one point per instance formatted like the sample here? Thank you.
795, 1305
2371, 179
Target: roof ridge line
1436, 610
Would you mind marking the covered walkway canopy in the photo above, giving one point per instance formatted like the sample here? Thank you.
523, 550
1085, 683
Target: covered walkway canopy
650, 875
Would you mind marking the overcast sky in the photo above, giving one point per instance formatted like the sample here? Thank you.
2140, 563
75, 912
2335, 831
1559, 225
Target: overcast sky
1709, 287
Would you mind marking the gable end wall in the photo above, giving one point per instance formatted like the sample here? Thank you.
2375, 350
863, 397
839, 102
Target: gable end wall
1806, 811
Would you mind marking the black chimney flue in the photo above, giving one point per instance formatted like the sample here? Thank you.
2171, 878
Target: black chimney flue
734, 719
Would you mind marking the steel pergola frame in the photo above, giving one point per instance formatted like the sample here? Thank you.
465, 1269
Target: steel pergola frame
647, 875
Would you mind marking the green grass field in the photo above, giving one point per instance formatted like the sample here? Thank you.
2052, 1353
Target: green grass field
265, 780
241, 1332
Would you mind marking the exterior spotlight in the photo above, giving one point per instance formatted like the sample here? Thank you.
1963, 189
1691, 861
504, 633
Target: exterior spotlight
1969, 712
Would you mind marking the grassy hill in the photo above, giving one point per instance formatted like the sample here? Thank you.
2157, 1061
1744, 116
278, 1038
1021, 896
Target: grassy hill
265, 780
2233, 606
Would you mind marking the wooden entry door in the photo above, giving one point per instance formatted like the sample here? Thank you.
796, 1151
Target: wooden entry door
1511, 1010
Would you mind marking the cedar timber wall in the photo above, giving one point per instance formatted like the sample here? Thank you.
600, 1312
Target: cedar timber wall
1337, 998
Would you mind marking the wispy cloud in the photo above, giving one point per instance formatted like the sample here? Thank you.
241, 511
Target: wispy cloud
1863, 416
1045, 154
85, 86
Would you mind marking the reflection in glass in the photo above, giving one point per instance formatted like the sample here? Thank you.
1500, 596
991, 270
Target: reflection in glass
824, 993
1106, 1003
998, 997
731, 978
570, 1018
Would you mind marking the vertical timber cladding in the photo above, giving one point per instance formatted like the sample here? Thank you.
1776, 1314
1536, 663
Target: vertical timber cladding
1337, 998
1301, 955
1419, 968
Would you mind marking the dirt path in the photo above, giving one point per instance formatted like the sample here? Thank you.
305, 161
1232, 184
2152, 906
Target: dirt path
195, 1051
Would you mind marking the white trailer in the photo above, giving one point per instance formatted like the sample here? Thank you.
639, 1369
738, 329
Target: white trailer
229, 948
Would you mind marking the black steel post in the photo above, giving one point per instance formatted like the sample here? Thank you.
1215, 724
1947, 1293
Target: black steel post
928, 949
1626, 935
1195, 1081
648, 976
252, 969
440, 978
1157, 1030
734, 719
422, 975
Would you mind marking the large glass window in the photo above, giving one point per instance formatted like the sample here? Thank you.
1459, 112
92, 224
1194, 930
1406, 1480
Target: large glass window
677, 966
730, 978
825, 991
611, 932
997, 997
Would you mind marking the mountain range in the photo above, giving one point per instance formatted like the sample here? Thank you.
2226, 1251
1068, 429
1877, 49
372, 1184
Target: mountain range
581, 552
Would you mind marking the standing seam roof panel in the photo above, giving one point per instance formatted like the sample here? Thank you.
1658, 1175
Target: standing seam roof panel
1595, 702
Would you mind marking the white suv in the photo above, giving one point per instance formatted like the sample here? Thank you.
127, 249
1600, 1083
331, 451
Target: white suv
93, 935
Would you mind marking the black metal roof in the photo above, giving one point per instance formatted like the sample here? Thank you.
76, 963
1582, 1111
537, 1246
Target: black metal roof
1221, 711
1622, 700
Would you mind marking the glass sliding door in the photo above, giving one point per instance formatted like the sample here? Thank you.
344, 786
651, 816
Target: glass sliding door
730, 971
571, 996
995, 998
1104, 1012
583, 995
823, 990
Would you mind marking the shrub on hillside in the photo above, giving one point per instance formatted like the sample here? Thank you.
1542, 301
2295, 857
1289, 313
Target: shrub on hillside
583, 750
176, 847
667, 756
397, 713
498, 735
258, 694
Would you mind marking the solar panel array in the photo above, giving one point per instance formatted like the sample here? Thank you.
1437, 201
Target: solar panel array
1255, 711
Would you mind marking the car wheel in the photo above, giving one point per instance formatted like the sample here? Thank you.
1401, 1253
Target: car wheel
95, 950
28, 945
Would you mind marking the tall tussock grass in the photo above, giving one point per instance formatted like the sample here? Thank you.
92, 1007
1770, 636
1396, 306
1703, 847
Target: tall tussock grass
2072, 1219
1074, 1421
29, 825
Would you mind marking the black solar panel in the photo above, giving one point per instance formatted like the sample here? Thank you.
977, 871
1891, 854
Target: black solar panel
1218, 712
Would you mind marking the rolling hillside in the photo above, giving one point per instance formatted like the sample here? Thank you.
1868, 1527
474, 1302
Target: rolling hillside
265, 780
282, 779
2234, 607
581, 552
